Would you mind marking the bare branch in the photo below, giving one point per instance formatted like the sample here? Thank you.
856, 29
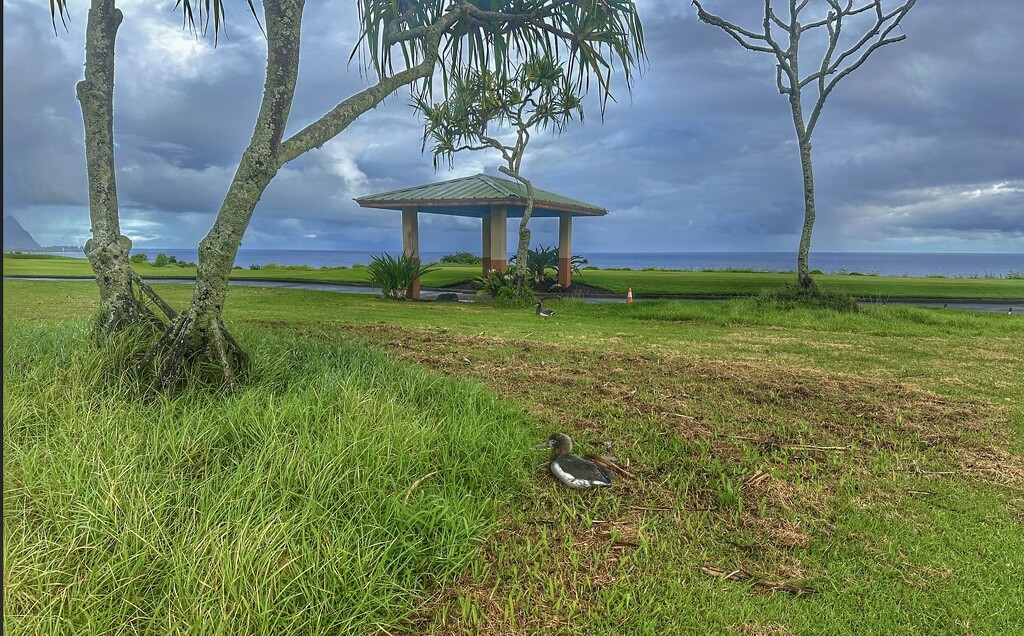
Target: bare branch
785, 90
880, 21
152, 295
339, 117
893, 19
737, 33
783, 57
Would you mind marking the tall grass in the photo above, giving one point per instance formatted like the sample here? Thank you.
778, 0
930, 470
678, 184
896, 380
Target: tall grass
325, 498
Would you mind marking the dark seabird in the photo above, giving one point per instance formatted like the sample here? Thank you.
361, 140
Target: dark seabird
544, 313
574, 472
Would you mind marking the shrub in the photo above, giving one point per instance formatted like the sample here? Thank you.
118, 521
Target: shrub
161, 260
793, 296
395, 276
493, 282
502, 288
511, 297
460, 258
139, 258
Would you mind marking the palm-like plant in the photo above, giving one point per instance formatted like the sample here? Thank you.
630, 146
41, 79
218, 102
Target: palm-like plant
538, 262
576, 263
395, 276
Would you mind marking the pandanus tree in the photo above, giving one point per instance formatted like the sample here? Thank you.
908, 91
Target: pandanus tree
840, 55
403, 43
536, 96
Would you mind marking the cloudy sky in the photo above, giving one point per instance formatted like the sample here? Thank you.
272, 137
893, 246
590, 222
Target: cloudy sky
920, 150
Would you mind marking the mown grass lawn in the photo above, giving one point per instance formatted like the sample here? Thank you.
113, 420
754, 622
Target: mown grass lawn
650, 283
876, 459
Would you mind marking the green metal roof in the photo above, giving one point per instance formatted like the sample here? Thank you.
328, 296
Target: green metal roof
474, 196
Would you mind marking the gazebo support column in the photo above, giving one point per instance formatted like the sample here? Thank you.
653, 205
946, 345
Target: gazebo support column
565, 250
487, 242
411, 244
498, 241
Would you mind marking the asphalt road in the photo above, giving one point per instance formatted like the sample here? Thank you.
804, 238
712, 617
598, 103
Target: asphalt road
1012, 306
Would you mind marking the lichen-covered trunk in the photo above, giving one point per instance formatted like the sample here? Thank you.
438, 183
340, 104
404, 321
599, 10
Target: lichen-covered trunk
259, 163
199, 332
803, 272
198, 335
523, 248
108, 249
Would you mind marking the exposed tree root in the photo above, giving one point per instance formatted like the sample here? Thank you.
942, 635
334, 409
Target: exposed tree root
139, 307
148, 292
190, 342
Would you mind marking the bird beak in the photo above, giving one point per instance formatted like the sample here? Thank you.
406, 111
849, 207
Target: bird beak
547, 444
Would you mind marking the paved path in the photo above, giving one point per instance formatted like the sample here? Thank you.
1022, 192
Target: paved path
1003, 306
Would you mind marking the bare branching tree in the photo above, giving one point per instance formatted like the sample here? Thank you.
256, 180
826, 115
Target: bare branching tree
536, 96
782, 36
403, 43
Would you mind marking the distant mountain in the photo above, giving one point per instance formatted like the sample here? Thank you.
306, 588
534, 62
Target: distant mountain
15, 236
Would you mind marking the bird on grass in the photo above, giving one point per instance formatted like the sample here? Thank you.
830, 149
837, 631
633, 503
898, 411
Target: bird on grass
544, 313
575, 472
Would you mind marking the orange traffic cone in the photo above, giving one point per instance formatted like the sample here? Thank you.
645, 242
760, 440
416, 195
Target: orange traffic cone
629, 296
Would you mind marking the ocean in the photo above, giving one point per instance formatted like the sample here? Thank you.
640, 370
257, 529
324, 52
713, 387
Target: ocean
879, 263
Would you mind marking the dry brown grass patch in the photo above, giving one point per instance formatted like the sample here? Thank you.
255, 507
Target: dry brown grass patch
586, 390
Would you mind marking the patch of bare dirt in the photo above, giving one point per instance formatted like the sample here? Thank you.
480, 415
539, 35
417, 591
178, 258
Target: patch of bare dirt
682, 394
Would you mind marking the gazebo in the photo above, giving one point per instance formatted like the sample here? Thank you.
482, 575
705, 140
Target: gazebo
493, 200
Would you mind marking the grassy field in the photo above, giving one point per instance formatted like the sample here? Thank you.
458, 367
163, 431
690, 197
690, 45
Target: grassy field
643, 283
868, 468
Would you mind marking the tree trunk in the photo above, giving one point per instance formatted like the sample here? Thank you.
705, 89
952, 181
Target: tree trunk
198, 335
523, 249
199, 332
108, 249
803, 272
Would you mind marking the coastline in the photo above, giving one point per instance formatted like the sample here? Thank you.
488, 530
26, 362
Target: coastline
899, 264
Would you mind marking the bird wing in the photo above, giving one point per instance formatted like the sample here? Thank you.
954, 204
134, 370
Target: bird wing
577, 472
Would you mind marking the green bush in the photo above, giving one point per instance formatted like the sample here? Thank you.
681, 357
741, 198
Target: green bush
460, 258
396, 276
502, 288
793, 296
139, 258
511, 297
161, 260
494, 282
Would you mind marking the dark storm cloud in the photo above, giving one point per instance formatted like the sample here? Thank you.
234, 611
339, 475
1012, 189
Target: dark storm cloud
921, 147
